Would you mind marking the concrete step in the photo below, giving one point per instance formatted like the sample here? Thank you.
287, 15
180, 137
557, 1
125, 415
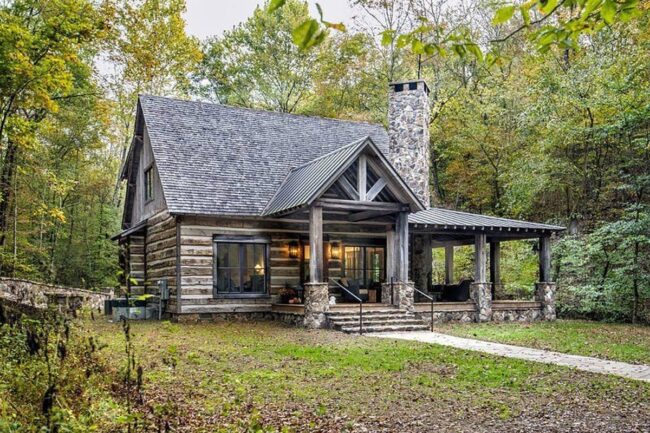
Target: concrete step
385, 328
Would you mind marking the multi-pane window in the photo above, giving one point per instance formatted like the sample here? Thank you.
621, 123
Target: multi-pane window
240, 267
365, 264
148, 184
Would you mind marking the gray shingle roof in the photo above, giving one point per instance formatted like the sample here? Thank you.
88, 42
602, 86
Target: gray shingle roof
304, 182
451, 220
219, 160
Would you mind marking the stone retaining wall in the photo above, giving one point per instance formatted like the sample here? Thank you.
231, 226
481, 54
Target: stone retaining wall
40, 295
291, 319
465, 312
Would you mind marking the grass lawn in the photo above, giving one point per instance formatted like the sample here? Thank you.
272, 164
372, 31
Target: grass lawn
618, 342
211, 377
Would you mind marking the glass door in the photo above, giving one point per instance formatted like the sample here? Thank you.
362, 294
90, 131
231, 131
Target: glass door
364, 268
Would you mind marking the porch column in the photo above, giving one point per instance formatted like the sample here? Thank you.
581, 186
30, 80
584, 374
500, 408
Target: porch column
545, 289
421, 265
449, 264
387, 287
316, 291
403, 290
480, 289
495, 266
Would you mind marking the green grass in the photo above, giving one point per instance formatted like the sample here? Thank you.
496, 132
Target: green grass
223, 374
620, 342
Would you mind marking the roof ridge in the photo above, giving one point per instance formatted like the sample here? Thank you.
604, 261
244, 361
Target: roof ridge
260, 110
352, 144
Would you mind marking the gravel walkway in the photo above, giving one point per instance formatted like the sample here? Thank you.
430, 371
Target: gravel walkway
586, 363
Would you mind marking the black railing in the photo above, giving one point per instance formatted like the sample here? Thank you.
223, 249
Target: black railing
430, 298
358, 299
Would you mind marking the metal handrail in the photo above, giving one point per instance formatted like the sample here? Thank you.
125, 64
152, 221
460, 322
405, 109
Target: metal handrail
430, 298
358, 299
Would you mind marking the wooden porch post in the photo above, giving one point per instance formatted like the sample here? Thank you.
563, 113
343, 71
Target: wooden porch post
495, 265
316, 244
545, 259
402, 246
480, 258
449, 264
390, 254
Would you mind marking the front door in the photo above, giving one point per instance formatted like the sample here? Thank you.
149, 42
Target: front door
364, 268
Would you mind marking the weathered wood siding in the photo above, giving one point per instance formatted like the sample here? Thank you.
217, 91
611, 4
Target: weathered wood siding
161, 255
145, 209
135, 263
196, 254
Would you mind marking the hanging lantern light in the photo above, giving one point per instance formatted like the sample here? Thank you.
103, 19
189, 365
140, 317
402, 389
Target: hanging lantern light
293, 250
335, 250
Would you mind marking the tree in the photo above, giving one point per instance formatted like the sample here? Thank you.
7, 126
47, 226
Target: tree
41, 56
149, 52
257, 63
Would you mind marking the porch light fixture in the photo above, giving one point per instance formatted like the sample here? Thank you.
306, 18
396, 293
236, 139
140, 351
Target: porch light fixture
335, 250
293, 250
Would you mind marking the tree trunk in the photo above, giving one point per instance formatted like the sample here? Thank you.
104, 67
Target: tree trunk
6, 177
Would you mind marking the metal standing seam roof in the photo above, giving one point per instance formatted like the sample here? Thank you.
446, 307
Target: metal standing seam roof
304, 182
451, 219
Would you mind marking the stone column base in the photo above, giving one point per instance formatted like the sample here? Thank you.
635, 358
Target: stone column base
402, 296
545, 293
481, 294
316, 305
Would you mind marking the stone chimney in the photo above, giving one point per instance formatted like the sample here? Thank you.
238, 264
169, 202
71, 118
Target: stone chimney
408, 130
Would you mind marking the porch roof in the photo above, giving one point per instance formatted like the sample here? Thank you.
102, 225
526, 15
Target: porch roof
440, 219
306, 183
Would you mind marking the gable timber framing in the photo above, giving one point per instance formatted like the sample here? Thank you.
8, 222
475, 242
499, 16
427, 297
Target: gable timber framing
308, 183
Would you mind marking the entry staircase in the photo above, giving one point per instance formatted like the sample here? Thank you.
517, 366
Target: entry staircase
380, 318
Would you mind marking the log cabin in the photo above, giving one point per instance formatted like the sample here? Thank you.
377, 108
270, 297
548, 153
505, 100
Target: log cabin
246, 213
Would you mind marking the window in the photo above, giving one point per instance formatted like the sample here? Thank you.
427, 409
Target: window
148, 184
365, 264
240, 268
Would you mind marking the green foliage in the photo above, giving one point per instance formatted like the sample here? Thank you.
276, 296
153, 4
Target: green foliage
606, 274
51, 375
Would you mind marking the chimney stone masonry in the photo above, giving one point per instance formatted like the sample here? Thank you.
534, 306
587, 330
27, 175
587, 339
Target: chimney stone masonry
408, 130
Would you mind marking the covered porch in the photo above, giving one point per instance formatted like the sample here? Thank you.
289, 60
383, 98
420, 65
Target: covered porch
448, 230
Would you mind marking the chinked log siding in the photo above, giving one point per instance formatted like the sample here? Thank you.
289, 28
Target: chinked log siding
161, 255
135, 253
196, 252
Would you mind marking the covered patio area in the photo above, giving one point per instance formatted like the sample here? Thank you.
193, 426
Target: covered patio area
447, 229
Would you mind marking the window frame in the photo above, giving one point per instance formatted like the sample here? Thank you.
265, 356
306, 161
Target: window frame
148, 184
364, 261
241, 241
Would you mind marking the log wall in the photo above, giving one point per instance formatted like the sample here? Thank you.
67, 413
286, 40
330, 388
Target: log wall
196, 253
135, 263
161, 255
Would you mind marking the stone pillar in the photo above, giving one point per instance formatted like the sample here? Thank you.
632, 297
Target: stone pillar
480, 289
482, 296
545, 293
404, 296
408, 131
421, 265
316, 305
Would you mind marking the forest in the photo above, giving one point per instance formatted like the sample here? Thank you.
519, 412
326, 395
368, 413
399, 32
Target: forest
540, 111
